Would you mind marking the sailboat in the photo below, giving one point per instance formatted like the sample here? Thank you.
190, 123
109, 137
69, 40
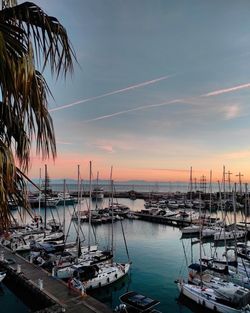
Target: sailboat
213, 293
97, 192
104, 273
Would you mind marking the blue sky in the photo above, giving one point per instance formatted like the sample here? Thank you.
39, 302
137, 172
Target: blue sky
197, 116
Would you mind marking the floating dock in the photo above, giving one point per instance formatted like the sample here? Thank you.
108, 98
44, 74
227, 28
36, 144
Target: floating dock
39, 284
173, 221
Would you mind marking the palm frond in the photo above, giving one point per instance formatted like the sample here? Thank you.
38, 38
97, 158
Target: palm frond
50, 38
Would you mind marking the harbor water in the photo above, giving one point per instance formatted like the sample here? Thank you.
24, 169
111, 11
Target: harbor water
156, 251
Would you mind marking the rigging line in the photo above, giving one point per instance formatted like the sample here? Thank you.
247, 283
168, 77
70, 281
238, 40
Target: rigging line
184, 250
74, 213
94, 233
81, 194
125, 242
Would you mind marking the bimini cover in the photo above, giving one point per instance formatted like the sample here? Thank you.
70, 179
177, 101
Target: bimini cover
197, 267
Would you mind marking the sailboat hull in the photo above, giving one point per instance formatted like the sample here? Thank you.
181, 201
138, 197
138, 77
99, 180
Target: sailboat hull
108, 277
202, 297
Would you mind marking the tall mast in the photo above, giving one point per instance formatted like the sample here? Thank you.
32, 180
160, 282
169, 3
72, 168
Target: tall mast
64, 205
90, 193
45, 197
191, 182
39, 197
246, 211
78, 206
210, 194
229, 181
234, 209
240, 175
224, 181
200, 235
112, 211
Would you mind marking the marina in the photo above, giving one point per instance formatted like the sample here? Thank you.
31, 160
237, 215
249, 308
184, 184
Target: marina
145, 238
124, 164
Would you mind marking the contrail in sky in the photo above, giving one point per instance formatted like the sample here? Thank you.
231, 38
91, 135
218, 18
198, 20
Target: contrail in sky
150, 82
223, 91
132, 110
209, 94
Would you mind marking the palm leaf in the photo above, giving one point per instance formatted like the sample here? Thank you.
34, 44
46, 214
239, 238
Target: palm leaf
49, 37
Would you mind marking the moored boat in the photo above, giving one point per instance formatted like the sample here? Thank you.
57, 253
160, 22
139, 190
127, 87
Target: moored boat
136, 303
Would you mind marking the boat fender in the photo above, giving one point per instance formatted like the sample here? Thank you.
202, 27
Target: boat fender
215, 308
115, 275
108, 279
70, 283
203, 303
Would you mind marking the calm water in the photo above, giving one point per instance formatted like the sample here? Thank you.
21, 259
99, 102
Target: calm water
157, 256
9, 302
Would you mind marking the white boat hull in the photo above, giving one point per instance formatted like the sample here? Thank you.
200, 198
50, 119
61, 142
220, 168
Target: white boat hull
107, 278
229, 235
199, 295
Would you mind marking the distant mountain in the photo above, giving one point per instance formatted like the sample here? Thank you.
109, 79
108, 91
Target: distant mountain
103, 182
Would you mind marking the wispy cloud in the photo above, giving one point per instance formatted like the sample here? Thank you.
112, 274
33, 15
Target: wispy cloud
232, 112
107, 148
171, 170
226, 90
143, 84
241, 154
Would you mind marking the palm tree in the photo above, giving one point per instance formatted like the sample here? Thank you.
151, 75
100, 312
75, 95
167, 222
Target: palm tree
29, 41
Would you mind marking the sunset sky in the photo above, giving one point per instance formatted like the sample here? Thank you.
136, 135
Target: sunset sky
161, 86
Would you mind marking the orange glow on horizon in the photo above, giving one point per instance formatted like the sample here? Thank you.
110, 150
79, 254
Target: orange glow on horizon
66, 168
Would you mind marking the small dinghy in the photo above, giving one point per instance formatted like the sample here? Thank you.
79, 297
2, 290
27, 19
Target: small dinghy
133, 302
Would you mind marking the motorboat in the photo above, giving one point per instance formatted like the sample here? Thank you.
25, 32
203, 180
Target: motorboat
133, 302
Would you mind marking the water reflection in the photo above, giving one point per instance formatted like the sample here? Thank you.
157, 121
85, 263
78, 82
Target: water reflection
1, 290
110, 295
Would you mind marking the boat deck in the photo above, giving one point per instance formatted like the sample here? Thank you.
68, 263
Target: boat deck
53, 288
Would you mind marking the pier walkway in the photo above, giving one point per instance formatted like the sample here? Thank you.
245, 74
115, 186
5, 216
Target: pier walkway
54, 289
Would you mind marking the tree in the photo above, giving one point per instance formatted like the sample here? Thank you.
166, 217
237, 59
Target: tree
30, 40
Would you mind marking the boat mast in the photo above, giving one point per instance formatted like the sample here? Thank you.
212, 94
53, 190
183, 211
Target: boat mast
191, 183
246, 211
90, 195
200, 237
78, 207
112, 211
210, 194
234, 209
240, 182
39, 196
64, 205
45, 197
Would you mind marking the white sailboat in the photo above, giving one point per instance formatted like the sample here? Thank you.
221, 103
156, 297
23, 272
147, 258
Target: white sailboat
213, 293
101, 274
217, 299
